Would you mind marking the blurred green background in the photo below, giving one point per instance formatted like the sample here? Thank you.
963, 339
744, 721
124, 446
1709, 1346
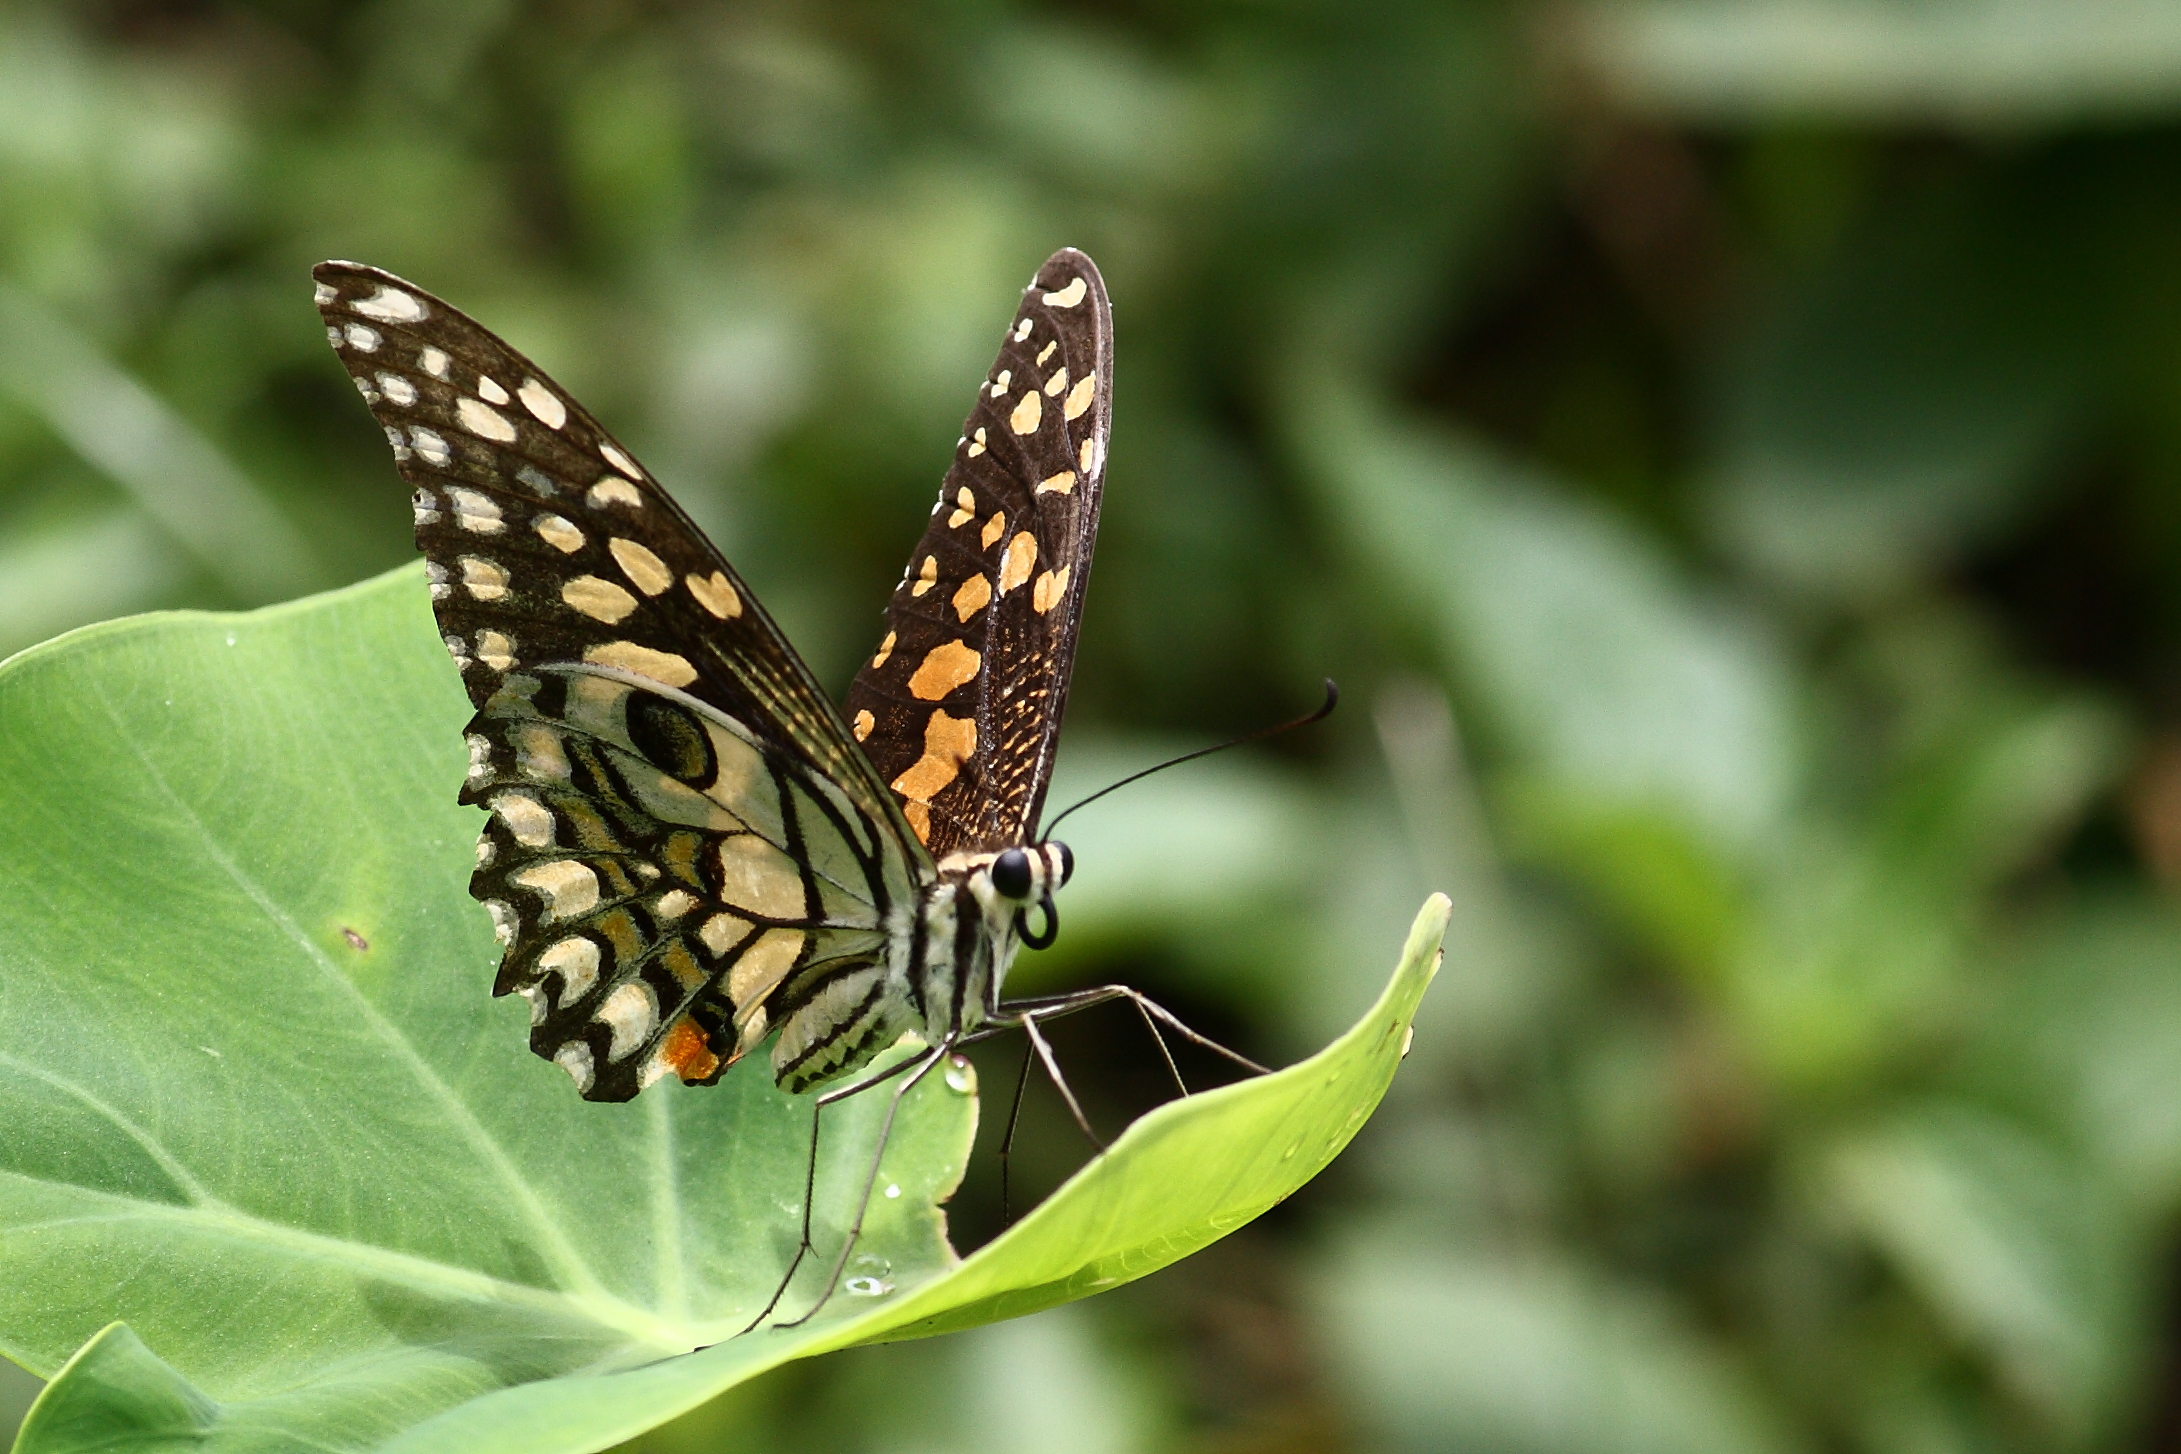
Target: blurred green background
1729, 453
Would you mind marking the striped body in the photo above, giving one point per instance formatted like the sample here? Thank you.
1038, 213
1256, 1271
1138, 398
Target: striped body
689, 848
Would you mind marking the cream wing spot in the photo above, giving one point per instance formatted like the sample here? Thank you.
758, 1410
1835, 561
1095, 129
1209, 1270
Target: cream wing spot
1067, 297
619, 460
1056, 383
971, 598
1083, 457
483, 579
863, 724
495, 650
660, 666
567, 887
1002, 382
575, 960
433, 447
965, 508
475, 511
1046, 352
360, 337
927, 577
630, 1012
483, 422
391, 305
759, 972
613, 490
977, 444
544, 405
434, 362
526, 818
560, 533
398, 390
1021, 557
601, 600
722, 932
323, 293
575, 1058
645, 570
758, 878
1059, 484
948, 666
674, 903
716, 594
1027, 413
1079, 398
1022, 331
489, 390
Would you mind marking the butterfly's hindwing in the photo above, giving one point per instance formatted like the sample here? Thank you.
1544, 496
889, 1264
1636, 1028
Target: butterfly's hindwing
960, 707
685, 845
664, 885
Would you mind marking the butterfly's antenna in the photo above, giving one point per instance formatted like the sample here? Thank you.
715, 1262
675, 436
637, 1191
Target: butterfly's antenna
1323, 711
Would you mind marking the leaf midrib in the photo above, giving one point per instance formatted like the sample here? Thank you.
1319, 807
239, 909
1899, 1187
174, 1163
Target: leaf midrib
425, 1274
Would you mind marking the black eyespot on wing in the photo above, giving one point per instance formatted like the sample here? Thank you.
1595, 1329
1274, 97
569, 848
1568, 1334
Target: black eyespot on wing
1067, 862
1011, 874
672, 740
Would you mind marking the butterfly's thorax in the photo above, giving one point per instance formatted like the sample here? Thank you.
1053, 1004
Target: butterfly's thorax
958, 951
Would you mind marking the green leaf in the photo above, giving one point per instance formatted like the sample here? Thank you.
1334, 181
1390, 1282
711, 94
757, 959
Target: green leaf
1524, 1351
261, 1109
2016, 1247
1605, 674
2003, 64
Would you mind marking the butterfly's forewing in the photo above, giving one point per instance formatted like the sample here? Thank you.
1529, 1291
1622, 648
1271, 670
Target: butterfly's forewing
682, 832
960, 707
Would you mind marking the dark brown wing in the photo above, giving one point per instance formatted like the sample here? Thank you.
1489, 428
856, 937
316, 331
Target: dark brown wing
547, 542
960, 708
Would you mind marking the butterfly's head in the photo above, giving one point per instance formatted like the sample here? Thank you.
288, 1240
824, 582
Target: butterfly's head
1013, 880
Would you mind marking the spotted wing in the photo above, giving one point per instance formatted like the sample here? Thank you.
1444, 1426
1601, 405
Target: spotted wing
959, 710
660, 764
668, 888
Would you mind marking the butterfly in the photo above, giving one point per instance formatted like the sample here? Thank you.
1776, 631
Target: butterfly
689, 849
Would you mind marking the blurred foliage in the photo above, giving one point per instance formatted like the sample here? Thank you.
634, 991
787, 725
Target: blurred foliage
1728, 450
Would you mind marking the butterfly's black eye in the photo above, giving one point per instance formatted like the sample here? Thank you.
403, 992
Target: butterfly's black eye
1067, 861
1011, 874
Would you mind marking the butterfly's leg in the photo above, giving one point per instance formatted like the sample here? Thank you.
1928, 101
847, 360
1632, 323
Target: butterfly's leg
810, 1179
1160, 1041
1052, 1069
1049, 1007
1014, 1116
923, 1066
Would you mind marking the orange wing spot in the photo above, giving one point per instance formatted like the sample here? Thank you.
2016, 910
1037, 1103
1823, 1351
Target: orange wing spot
688, 1052
948, 743
993, 529
946, 668
1021, 556
971, 598
919, 816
